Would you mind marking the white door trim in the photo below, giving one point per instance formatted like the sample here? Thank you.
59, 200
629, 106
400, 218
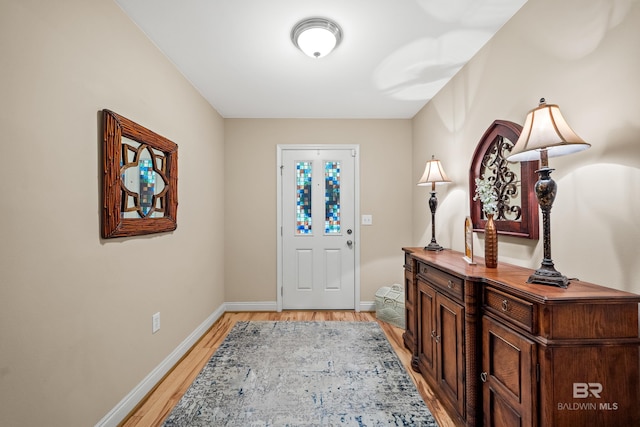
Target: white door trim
279, 225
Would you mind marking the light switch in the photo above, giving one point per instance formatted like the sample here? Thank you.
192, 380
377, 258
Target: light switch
155, 323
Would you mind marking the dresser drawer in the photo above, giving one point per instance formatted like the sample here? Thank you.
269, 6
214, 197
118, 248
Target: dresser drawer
408, 261
445, 282
519, 312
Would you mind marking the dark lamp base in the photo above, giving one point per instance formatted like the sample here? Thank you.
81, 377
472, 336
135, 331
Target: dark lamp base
547, 275
433, 246
546, 193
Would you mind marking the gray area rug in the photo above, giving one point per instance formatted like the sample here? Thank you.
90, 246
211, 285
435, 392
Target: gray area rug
291, 373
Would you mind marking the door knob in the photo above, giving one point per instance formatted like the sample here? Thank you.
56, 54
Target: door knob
349, 243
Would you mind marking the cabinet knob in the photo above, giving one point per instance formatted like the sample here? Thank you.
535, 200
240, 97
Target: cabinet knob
505, 305
483, 377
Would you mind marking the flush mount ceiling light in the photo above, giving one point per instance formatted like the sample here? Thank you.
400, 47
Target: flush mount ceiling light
316, 37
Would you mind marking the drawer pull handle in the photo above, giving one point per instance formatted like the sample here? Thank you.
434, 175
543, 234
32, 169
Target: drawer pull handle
450, 284
483, 377
433, 334
505, 305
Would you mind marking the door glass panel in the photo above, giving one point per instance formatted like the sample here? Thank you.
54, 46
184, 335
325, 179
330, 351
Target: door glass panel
303, 197
332, 197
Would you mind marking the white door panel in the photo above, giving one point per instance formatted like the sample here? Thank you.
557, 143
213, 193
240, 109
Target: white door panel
318, 228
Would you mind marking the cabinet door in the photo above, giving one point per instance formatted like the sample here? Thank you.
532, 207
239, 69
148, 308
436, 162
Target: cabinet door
410, 312
509, 376
426, 330
450, 350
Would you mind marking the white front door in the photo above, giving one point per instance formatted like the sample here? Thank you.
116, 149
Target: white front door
318, 230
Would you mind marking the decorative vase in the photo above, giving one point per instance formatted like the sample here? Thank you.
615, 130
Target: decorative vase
490, 243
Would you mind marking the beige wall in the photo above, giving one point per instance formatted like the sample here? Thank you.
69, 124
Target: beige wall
250, 198
581, 55
75, 310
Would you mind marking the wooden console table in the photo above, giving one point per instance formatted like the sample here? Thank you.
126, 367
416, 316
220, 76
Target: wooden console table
500, 352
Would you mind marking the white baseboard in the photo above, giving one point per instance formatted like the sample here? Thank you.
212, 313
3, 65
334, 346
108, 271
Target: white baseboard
126, 405
367, 306
252, 306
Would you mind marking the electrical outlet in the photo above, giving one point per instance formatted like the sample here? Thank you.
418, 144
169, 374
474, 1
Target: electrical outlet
367, 220
155, 323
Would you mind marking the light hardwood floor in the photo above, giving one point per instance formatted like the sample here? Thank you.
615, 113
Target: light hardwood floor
159, 403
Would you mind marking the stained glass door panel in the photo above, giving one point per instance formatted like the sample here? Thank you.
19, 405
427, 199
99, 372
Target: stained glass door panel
303, 197
332, 197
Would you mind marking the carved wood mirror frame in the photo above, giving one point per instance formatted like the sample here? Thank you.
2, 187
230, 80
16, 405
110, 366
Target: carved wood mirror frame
161, 214
490, 154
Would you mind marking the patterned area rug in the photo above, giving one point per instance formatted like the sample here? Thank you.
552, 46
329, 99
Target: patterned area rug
291, 373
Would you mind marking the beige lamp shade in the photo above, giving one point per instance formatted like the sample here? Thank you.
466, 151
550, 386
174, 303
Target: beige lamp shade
546, 130
433, 172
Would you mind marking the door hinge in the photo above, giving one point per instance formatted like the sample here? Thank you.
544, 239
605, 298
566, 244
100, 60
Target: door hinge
282, 291
353, 153
281, 231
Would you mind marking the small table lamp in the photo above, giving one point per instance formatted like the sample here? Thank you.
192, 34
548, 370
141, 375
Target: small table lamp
546, 134
433, 173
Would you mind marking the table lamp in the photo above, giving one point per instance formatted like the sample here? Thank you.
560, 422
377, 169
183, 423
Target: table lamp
433, 174
546, 134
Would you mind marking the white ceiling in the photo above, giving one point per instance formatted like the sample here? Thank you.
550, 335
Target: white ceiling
394, 57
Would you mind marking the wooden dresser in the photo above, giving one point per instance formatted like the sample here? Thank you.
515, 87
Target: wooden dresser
500, 352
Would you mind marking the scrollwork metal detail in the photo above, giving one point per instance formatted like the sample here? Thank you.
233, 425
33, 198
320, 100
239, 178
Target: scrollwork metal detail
505, 181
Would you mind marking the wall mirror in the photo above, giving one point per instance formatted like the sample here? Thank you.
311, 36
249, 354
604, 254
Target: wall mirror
140, 179
513, 182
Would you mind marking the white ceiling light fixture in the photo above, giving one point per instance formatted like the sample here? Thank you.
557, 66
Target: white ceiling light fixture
316, 37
